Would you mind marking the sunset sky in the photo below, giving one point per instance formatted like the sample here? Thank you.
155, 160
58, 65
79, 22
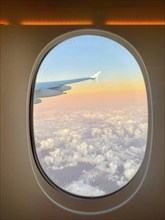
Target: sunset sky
120, 80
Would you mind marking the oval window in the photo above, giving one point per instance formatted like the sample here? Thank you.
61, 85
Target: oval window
90, 116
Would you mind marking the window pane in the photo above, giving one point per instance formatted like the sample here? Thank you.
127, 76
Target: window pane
90, 116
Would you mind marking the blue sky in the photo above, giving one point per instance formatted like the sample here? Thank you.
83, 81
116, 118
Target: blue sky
82, 56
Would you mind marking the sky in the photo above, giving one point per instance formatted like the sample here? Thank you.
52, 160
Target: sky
82, 56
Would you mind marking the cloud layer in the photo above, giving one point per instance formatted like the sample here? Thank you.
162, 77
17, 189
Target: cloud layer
91, 153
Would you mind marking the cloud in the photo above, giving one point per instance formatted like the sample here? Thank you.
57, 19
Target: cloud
106, 147
130, 168
83, 189
113, 168
130, 172
99, 159
121, 182
47, 144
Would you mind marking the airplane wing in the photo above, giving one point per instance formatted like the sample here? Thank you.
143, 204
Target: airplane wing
56, 88
57, 84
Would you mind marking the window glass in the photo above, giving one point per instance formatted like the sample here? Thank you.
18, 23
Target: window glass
90, 116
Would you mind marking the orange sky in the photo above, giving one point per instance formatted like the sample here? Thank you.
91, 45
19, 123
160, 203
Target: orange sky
108, 87
98, 96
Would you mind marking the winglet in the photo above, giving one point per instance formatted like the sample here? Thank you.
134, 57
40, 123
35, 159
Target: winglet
95, 76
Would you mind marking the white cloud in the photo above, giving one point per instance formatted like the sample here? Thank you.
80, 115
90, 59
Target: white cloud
131, 168
129, 173
110, 142
47, 144
121, 182
99, 159
128, 164
83, 189
113, 168
49, 160
64, 132
95, 132
135, 150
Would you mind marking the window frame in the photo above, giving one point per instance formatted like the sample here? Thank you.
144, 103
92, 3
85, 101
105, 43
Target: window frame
66, 200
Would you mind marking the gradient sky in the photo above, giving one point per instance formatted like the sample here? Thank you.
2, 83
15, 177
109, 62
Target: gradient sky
82, 136
82, 56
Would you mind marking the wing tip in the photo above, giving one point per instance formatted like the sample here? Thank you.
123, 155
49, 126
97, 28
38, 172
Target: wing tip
95, 76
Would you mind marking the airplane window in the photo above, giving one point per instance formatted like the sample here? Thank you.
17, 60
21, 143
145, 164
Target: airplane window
90, 116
